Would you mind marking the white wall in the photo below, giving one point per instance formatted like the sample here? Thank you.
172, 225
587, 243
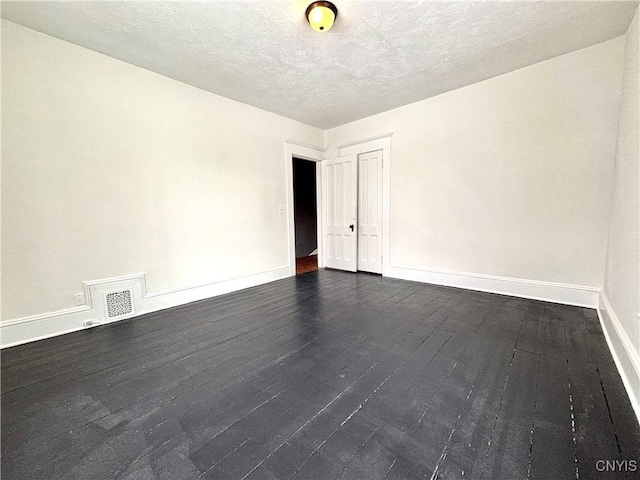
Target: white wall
509, 177
109, 169
622, 279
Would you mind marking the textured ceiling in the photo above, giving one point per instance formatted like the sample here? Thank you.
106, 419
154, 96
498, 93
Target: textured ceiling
379, 55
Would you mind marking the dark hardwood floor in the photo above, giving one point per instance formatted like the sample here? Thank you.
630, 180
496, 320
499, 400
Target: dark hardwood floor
324, 375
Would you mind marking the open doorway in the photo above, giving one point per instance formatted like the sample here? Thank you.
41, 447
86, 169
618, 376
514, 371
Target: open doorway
305, 206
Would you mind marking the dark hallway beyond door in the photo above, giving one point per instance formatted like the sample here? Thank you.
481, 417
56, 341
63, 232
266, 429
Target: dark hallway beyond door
306, 215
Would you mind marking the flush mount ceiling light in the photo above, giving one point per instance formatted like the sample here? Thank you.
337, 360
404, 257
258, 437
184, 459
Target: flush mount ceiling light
321, 15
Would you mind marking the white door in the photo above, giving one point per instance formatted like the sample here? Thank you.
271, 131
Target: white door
340, 197
370, 212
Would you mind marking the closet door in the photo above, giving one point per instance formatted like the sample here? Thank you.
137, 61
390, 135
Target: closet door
370, 212
340, 214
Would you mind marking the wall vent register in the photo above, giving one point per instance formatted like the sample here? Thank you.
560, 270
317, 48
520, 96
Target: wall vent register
119, 303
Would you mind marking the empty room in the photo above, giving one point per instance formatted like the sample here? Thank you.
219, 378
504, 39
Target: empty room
312, 240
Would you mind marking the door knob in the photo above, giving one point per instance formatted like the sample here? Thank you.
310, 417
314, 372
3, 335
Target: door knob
351, 227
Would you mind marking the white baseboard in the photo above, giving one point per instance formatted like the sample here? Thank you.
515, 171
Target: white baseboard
623, 351
37, 327
579, 295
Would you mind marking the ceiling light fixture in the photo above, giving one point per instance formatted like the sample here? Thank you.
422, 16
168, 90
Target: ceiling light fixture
321, 15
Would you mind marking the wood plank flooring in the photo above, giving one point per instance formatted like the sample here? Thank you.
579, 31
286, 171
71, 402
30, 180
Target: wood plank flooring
327, 375
306, 264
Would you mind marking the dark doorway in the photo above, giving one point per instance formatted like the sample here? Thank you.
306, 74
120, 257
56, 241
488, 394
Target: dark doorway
305, 215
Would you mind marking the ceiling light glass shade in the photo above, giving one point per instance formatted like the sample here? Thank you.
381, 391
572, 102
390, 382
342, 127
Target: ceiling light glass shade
321, 15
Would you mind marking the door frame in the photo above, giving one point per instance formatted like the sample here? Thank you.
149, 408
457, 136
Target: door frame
314, 154
381, 142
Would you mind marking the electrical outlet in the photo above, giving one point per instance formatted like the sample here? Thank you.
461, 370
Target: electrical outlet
79, 299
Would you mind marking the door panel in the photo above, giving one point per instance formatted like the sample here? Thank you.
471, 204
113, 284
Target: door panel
340, 212
370, 214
